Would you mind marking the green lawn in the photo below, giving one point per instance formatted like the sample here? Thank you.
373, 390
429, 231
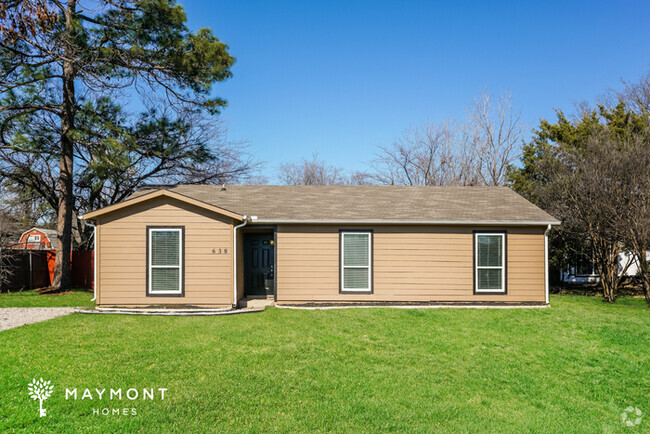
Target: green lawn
74, 298
572, 368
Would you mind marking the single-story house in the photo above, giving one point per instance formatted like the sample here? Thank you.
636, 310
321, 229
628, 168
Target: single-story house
210, 246
37, 239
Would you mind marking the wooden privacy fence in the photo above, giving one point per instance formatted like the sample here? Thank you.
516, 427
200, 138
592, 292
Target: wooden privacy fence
32, 269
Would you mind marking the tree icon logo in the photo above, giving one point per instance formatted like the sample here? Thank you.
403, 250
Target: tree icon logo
40, 390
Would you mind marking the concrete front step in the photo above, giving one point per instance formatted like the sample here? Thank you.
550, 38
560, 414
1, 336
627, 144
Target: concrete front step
255, 303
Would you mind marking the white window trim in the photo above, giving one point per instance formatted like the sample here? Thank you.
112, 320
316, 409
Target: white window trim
35, 238
368, 267
179, 266
484, 267
594, 272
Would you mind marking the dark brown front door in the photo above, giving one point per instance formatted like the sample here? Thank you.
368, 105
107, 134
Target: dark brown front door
258, 264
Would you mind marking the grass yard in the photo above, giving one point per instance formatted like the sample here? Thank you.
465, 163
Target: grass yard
572, 368
74, 298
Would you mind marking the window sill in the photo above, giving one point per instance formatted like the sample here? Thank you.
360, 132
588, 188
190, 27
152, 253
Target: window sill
356, 291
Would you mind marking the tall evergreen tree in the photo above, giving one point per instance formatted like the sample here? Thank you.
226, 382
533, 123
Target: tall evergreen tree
565, 134
59, 57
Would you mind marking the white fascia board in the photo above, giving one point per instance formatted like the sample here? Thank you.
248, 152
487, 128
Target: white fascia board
413, 222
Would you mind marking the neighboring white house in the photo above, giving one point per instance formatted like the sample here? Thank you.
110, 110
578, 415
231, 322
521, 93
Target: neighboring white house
585, 270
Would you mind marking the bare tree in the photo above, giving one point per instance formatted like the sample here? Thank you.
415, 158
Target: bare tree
359, 178
432, 155
637, 94
496, 130
318, 172
10, 228
112, 164
477, 151
600, 191
311, 172
634, 206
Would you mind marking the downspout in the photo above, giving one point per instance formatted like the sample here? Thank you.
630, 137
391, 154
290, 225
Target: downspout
234, 261
95, 283
546, 271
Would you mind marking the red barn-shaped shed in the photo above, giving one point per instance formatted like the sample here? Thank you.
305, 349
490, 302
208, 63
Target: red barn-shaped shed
37, 239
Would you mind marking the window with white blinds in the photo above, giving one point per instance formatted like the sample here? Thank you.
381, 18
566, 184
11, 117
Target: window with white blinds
356, 262
165, 259
490, 262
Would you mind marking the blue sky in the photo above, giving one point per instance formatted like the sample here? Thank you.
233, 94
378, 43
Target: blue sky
341, 77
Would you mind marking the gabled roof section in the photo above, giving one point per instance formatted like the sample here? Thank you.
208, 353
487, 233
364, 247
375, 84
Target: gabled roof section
346, 204
49, 233
148, 195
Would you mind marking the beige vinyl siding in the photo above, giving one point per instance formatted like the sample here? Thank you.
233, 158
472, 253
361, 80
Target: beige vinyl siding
122, 265
410, 263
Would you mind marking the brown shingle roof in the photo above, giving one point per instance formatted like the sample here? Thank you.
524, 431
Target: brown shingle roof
273, 203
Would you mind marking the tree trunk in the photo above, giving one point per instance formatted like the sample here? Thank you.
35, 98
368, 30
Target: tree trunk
607, 265
646, 290
609, 290
66, 160
644, 270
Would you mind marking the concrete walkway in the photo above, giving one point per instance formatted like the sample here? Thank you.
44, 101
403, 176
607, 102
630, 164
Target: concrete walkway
11, 317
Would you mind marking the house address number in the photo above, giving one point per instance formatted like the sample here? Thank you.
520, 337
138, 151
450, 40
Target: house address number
219, 251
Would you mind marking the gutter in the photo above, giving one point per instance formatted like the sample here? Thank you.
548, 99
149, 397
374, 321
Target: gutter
414, 222
234, 261
546, 271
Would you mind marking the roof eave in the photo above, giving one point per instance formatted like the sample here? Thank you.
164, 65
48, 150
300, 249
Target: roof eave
411, 222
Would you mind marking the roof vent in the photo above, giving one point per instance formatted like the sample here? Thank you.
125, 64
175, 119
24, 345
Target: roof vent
223, 187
